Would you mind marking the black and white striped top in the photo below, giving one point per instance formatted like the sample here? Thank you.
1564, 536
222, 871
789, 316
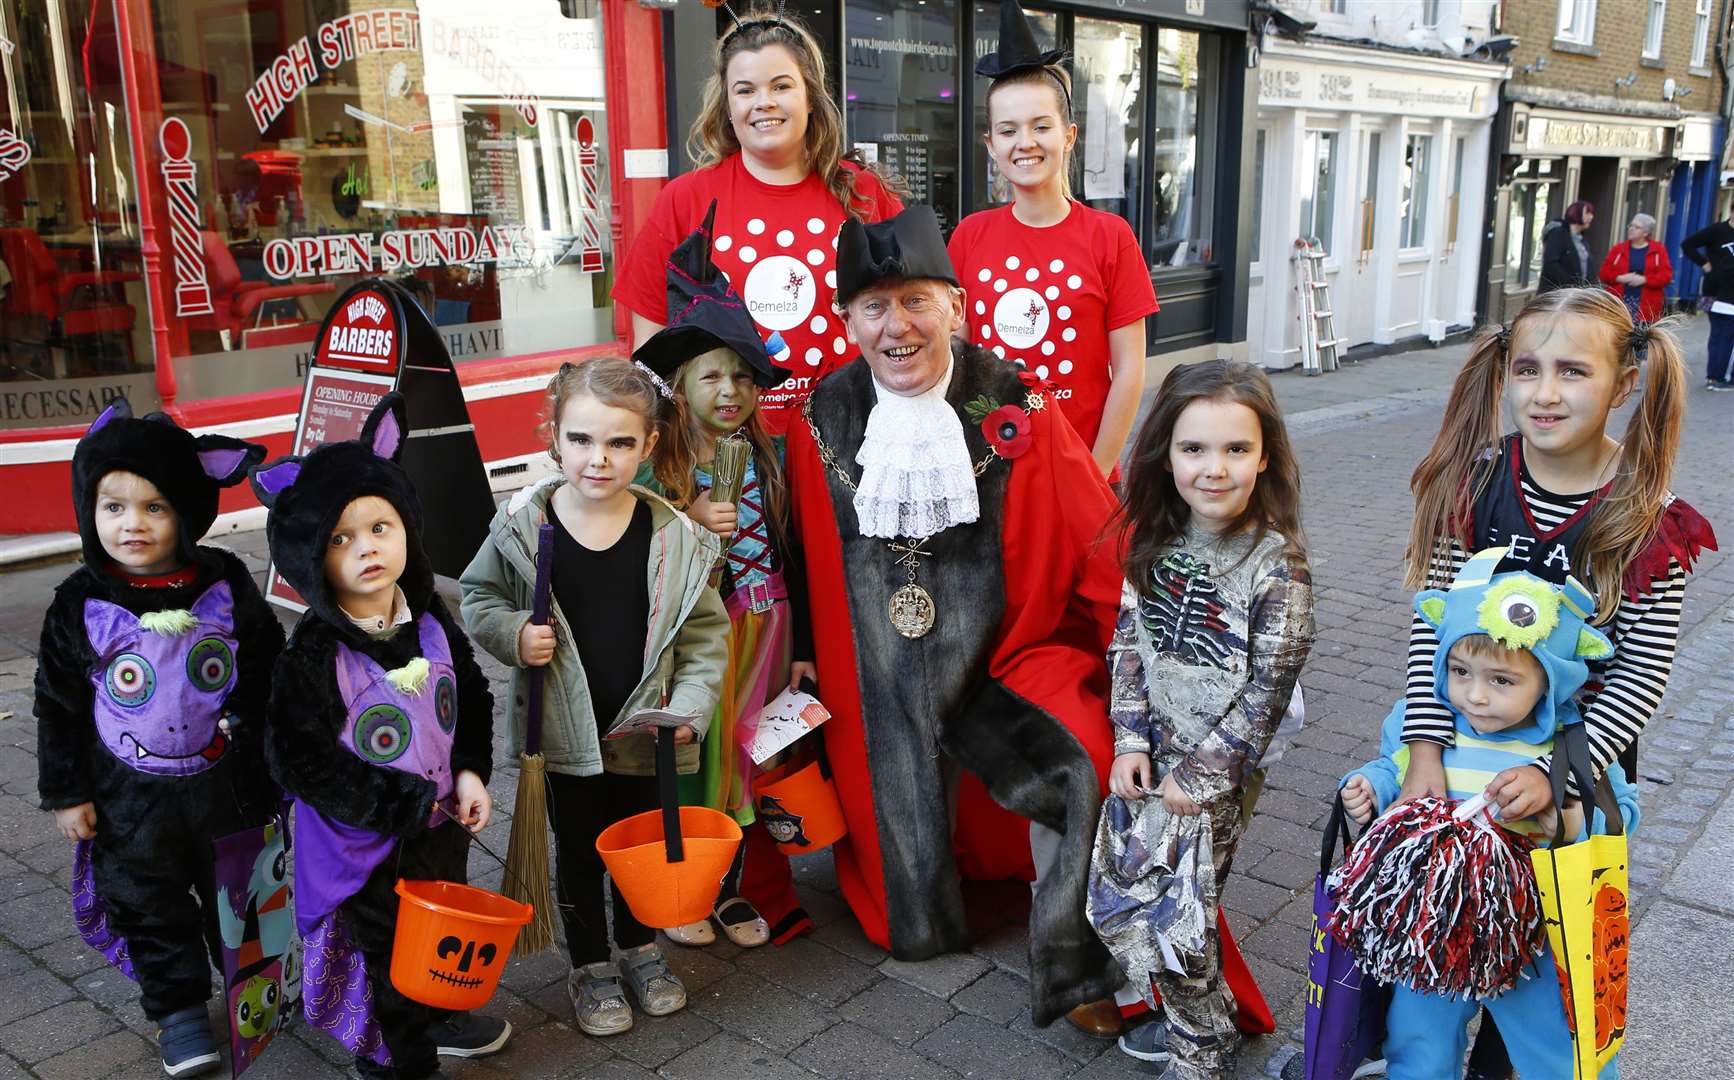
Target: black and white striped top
1621, 694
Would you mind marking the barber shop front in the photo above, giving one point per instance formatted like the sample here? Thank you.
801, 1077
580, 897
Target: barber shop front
187, 185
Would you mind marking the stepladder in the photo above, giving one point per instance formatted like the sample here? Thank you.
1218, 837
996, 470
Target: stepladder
1320, 345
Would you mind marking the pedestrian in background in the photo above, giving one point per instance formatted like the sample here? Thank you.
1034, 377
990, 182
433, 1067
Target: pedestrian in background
1636, 270
1713, 249
1565, 258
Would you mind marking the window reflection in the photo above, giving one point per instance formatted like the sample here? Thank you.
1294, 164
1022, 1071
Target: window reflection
901, 95
1180, 225
1319, 157
1108, 87
1416, 169
1534, 200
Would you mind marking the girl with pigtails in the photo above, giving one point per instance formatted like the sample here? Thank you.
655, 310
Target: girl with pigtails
1566, 497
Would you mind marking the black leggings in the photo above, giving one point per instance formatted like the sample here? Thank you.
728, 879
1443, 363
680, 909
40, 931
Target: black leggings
579, 808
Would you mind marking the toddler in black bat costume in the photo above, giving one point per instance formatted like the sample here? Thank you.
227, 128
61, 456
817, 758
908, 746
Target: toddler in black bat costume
151, 686
382, 729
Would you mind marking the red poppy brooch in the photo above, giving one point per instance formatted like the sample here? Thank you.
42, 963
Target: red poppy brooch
1006, 427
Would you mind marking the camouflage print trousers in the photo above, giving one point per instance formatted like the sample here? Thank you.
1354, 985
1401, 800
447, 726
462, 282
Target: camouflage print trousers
1201, 1032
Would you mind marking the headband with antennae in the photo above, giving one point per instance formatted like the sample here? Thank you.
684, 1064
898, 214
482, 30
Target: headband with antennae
740, 24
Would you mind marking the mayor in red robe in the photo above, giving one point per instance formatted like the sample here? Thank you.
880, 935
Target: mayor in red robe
963, 587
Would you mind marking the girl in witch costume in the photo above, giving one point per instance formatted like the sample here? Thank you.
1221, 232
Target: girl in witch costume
151, 687
1055, 286
382, 730
1214, 626
634, 625
711, 358
768, 142
1567, 499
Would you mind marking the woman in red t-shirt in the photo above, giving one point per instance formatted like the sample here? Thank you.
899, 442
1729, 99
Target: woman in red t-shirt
769, 144
1055, 286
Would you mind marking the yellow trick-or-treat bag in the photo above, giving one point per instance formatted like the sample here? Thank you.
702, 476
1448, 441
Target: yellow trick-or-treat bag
1583, 902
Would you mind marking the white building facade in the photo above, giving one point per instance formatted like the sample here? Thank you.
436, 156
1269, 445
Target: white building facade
1378, 149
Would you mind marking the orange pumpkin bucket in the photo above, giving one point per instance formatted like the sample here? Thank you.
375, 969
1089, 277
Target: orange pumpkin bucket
452, 942
669, 863
799, 807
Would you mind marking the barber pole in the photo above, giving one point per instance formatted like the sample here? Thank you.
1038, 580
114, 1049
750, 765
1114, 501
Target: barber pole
589, 229
181, 183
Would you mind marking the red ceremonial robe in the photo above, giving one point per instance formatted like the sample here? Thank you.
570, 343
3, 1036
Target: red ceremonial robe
1062, 591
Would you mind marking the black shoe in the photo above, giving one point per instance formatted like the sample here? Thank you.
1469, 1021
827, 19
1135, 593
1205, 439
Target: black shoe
466, 1035
187, 1044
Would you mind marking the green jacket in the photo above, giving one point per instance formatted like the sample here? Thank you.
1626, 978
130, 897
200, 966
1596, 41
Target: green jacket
686, 649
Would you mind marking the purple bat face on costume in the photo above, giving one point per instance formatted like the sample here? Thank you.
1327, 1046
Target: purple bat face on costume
161, 681
407, 730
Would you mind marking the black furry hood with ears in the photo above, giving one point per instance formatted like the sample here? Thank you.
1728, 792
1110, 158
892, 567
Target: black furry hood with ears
188, 469
307, 495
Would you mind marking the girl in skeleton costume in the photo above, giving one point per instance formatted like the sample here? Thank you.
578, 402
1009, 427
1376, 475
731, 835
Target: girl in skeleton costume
768, 143
1055, 286
151, 686
1566, 499
1215, 624
712, 362
382, 730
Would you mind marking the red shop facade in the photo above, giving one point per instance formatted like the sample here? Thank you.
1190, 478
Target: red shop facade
186, 186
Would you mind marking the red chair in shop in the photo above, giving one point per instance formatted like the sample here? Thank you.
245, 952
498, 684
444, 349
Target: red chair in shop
72, 303
238, 307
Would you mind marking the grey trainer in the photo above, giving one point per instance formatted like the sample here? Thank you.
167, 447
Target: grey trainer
658, 990
598, 1000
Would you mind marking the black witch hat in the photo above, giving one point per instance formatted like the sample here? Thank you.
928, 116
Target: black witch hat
906, 246
1018, 50
705, 313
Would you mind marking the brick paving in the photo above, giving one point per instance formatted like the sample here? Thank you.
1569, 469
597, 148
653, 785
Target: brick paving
834, 1005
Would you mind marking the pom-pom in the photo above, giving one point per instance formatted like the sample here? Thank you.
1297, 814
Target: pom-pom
171, 623
1445, 906
411, 677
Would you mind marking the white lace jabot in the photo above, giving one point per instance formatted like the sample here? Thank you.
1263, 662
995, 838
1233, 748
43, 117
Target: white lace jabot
916, 476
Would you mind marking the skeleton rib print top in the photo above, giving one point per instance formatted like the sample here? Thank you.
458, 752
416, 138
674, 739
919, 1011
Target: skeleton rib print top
403, 719
1203, 669
161, 681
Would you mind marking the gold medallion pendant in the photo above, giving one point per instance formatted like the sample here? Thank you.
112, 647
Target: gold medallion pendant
912, 611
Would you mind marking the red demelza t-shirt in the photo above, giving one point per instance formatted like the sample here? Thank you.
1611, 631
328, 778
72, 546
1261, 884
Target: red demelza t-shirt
777, 245
1047, 298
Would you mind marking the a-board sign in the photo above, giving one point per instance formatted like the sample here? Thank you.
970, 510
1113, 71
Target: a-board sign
375, 339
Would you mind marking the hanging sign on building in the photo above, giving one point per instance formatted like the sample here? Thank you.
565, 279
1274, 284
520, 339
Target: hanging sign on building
1577, 133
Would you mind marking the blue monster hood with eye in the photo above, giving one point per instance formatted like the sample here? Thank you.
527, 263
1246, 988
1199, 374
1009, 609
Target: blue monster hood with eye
1520, 611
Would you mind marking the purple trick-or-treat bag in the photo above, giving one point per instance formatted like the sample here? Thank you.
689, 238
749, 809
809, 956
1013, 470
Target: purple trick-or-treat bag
1345, 1011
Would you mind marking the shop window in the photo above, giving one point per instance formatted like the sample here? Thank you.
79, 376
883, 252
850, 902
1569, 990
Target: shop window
462, 148
1700, 32
1430, 12
1417, 169
74, 328
1577, 22
1644, 186
1655, 18
1370, 194
1108, 84
901, 86
1258, 151
1535, 200
1456, 203
987, 189
1319, 159
1181, 198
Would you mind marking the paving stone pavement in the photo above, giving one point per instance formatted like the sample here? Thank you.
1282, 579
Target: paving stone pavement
834, 1005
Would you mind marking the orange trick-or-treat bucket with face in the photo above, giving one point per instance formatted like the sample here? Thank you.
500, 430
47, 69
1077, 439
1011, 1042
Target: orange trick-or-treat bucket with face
452, 942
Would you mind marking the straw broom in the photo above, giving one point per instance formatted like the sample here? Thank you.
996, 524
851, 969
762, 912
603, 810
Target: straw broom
526, 876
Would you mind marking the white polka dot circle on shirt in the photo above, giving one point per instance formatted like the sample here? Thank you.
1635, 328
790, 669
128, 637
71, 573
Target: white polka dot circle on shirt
986, 332
1056, 266
839, 345
981, 307
1064, 312
830, 279
1041, 371
748, 253
1074, 282
785, 237
724, 242
814, 355
1031, 274
1047, 348
1052, 292
817, 325
1065, 367
815, 225
1012, 262
756, 226
815, 257
999, 351
999, 285
985, 276
1069, 334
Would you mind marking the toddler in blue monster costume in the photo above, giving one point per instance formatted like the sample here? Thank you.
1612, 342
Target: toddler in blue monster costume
1512, 653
